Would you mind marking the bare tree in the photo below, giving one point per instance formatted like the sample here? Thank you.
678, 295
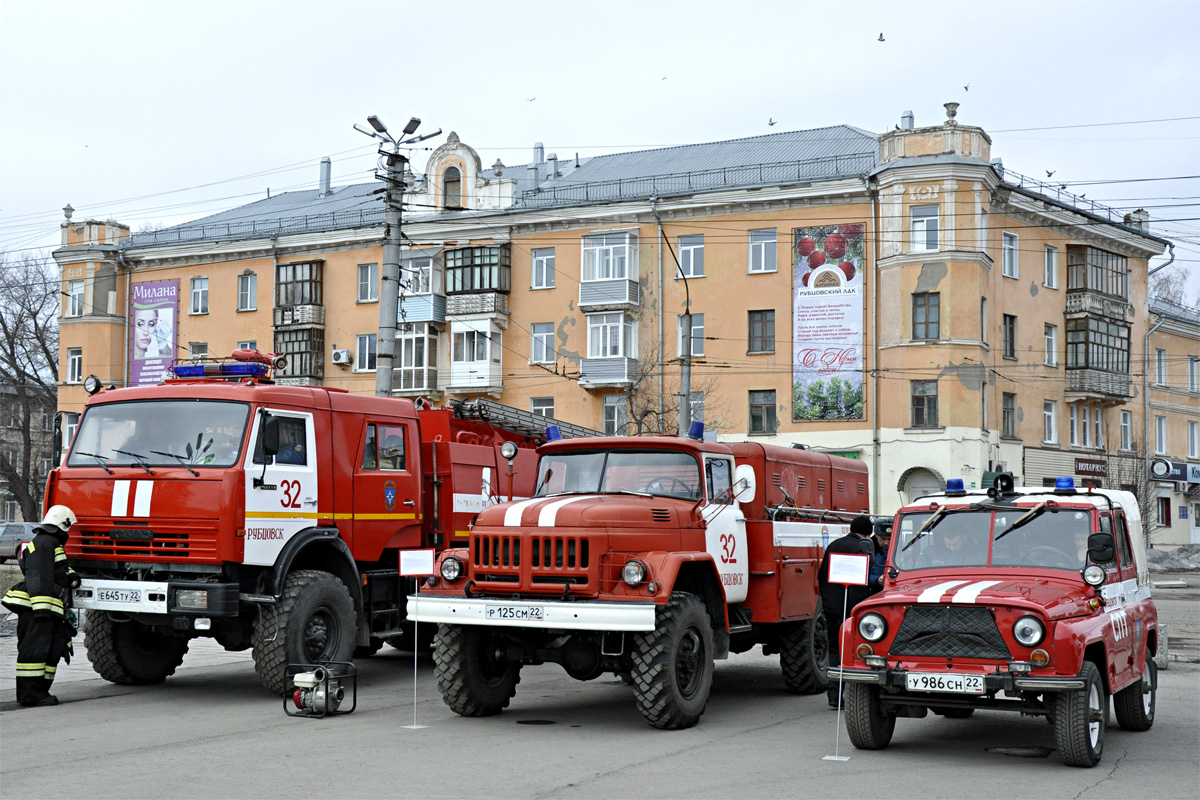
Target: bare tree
29, 289
1127, 470
1171, 285
644, 415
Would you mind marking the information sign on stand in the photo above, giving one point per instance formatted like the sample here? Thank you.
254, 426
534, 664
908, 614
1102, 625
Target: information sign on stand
418, 564
848, 569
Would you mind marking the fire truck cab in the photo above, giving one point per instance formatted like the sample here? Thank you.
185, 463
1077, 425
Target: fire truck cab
1027, 599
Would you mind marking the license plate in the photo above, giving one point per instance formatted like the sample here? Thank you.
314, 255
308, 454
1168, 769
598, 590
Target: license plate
940, 682
119, 595
514, 613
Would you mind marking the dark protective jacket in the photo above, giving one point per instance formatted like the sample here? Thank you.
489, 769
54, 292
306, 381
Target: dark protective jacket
48, 576
832, 594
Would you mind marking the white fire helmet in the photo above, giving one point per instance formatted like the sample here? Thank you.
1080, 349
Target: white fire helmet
60, 517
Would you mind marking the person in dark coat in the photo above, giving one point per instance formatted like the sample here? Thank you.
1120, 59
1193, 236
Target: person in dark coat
43, 629
881, 538
838, 599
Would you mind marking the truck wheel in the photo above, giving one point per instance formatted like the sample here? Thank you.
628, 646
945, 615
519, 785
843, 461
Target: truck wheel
1079, 720
130, 653
804, 654
673, 664
1135, 703
869, 726
313, 623
473, 675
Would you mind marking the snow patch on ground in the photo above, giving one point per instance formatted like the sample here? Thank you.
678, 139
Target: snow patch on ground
1185, 558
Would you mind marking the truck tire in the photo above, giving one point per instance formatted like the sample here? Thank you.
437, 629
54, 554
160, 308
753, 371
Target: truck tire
130, 653
313, 623
869, 726
804, 654
1135, 703
673, 664
473, 676
1079, 720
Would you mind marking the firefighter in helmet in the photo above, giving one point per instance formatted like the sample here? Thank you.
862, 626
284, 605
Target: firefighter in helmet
44, 626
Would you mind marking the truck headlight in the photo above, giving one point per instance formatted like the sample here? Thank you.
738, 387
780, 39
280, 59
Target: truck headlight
633, 573
191, 598
452, 568
872, 627
1029, 631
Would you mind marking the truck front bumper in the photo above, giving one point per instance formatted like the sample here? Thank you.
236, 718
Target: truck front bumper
174, 598
578, 615
992, 682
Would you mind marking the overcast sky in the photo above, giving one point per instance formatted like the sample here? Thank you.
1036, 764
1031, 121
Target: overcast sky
158, 112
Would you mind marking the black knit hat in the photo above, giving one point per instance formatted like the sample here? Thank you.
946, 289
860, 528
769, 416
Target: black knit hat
861, 525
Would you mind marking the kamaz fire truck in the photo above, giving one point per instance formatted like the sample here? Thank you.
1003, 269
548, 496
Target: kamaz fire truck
648, 558
1030, 600
221, 504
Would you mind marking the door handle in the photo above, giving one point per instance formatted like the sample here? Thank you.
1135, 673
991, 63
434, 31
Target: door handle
410, 503
309, 501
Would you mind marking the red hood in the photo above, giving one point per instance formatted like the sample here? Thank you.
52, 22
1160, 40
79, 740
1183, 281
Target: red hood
1056, 595
588, 511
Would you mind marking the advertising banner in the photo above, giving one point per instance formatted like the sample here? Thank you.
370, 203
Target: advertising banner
152, 331
827, 322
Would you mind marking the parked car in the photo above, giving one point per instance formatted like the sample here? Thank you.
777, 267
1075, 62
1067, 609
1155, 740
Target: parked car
12, 536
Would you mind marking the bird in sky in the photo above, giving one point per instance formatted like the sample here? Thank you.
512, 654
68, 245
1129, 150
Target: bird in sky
881, 37
664, 77
967, 88
1050, 173
1062, 186
531, 99
771, 121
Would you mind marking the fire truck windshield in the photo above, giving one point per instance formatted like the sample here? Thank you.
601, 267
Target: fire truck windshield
1047, 538
662, 473
161, 433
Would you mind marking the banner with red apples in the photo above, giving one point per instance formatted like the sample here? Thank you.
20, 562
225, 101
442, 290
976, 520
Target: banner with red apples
827, 322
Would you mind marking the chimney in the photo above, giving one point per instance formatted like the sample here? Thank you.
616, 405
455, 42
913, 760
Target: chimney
907, 121
539, 153
553, 171
1139, 219
326, 170
532, 171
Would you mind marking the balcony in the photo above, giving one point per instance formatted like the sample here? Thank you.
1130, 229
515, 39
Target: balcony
313, 315
423, 308
615, 294
458, 305
606, 373
1097, 385
475, 377
1096, 304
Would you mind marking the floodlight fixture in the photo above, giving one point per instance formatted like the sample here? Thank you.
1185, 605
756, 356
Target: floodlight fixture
376, 123
412, 125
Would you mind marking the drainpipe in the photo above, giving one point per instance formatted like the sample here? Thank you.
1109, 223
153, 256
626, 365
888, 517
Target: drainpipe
875, 356
128, 310
661, 366
1146, 392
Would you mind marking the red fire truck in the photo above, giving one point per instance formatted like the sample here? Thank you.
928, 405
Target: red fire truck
645, 557
221, 504
1030, 600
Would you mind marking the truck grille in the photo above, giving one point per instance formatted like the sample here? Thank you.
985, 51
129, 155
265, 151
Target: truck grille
170, 542
531, 559
949, 632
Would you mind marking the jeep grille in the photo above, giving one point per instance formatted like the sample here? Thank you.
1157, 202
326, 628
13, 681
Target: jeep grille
949, 632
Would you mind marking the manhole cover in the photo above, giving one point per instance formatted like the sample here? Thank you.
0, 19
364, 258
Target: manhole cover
535, 722
1022, 752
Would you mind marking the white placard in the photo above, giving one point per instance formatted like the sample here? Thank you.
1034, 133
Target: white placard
420, 562
847, 568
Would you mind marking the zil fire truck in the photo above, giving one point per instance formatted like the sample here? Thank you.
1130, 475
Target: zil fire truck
270, 517
1031, 600
647, 557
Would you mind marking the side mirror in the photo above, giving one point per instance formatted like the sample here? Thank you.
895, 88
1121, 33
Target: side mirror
744, 483
270, 435
1101, 548
58, 439
866, 546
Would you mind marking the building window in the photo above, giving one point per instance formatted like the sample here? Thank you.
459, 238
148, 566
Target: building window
418, 276
199, 296
697, 335
1098, 344
75, 299
1098, 428
1193, 429
762, 250
1126, 430
691, 256
197, 350
298, 284
470, 346
416, 353
368, 283
75, 365
247, 291
1010, 336
70, 422
1074, 420
1160, 435
1160, 366
607, 256
1163, 509
1050, 270
762, 412
249, 344
542, 351
1008, 255
924, 404
1008, 415
15, 417
478, 269
1092, 269
305, 351
611, 336
452, 188
926, 315
1049, 422
543, 268
364, 353
983, 324
542, 406
1193, 374
1050, 336
762, 332
924, 229
11, 507
615, 414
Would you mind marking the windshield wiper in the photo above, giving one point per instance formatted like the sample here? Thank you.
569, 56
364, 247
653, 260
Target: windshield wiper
928, 526
1029, 516
99, 459
178, 458
628, 491
141, 459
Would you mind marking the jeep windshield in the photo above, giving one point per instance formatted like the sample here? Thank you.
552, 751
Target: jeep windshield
1042, 536
650, 472
161, 433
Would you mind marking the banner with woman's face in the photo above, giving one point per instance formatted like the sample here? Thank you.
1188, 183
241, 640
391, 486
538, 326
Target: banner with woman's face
152, 331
